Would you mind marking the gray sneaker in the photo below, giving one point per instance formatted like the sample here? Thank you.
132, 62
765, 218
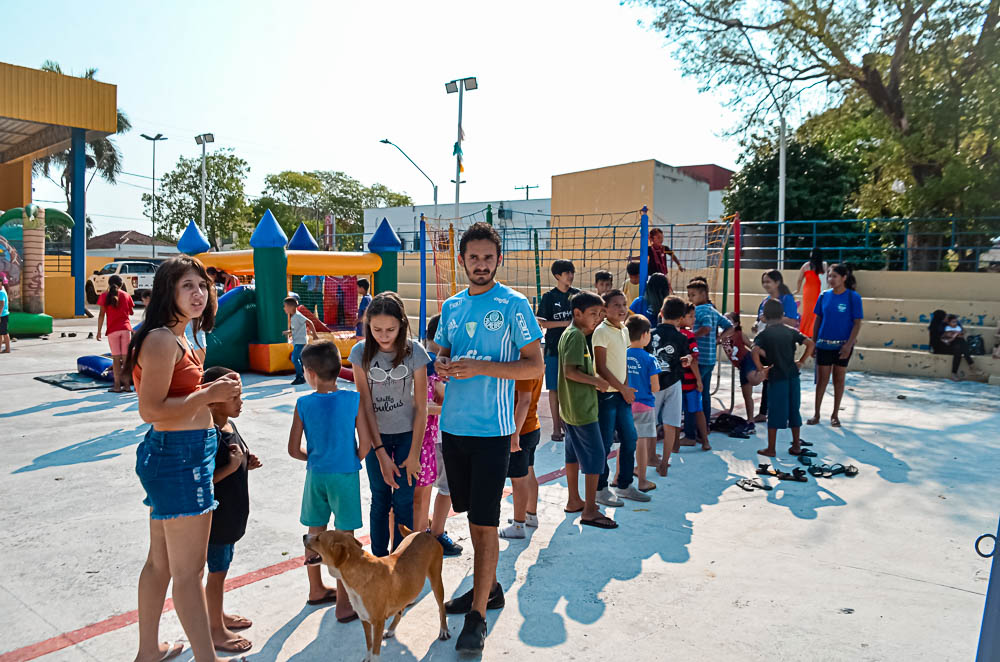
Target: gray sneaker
631, 493
606, 498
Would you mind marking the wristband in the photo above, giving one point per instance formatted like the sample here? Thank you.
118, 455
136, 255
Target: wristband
375, 450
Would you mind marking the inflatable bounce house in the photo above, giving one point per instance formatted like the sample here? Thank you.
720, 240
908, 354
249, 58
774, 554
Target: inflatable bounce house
24, 270
250, 321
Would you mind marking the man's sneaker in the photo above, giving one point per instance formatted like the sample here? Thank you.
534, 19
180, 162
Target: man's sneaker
606, 498
473, 636
515, 530
298, 380
463, 603
450, 547
631, 493
531, 520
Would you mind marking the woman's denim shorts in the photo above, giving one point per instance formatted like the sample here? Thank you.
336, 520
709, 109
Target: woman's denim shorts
175, 469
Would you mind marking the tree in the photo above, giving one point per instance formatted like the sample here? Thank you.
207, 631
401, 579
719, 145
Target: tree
178, 198
922, 76
292, 197
102, 155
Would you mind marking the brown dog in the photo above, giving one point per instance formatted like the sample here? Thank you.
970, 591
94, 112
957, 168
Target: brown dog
381, 587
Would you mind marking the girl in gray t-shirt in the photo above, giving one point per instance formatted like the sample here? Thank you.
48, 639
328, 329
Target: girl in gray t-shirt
390, 371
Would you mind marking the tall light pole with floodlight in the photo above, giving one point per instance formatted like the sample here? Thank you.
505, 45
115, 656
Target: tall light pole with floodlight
386, 141
459, 85
157, 138
203, 140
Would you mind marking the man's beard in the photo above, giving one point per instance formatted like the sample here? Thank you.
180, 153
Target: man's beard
479, 278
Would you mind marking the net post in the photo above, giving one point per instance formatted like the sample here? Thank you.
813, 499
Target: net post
451, 252
738, 248
643, 250
989, 634
538, 269
725, 277
423, 278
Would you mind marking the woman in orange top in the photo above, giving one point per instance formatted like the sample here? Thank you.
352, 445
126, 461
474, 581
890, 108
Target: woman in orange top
176, 460
812, 272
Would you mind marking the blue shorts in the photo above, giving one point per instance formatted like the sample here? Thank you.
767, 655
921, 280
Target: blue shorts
585, 445
332, 494
747, 366
692, 401
219, 557
784, 397
175, 468
551, 372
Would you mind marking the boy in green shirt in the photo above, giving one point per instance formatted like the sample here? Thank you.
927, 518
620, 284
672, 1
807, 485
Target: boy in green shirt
578, 388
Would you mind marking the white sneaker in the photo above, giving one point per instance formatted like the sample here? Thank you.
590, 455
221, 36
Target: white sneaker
531, 520
606, 498
631, 493
514, 531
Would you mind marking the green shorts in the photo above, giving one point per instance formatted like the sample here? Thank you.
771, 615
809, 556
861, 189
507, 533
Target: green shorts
332, 494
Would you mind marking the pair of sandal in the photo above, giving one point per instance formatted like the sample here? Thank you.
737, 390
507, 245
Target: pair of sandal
748, 485
829, 471
798, 475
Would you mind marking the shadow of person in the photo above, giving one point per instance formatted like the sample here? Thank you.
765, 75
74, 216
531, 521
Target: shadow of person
579, 562
91, 450
101, 401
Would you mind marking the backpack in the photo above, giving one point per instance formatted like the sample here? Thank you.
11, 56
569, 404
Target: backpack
727, 423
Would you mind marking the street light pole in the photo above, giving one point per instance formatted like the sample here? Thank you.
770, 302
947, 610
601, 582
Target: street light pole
158, 137
782, 176
459, 85
203, 140
386, 141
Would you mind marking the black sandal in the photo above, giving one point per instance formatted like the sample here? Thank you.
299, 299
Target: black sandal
765, 470
806, 460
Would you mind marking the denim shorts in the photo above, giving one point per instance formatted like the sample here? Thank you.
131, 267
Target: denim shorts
747, 366
220, 557
175, 468
585, 446
551, 372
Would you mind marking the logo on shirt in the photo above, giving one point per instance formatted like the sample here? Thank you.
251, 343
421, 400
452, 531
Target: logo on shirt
499, 300
493, 320
452, 325
470, 328
522, 326
842, 307
473, 354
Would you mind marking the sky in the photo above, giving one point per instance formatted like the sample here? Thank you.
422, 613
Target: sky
564, 85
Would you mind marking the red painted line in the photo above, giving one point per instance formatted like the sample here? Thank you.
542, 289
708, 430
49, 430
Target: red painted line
67, 639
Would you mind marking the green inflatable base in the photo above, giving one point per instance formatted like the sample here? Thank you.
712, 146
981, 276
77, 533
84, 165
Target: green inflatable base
27, 324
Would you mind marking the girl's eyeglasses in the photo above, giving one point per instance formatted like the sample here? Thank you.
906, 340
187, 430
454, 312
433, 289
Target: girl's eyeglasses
378, 375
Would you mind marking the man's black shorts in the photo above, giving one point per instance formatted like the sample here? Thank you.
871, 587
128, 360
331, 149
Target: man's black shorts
477, 471
523, 459
832, 357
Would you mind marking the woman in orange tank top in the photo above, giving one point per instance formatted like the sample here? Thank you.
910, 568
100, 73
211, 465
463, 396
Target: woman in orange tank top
176, 460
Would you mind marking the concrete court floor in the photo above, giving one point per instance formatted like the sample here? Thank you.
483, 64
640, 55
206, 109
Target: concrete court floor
878, 567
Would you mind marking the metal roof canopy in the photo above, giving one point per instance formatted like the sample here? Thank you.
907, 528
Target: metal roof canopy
40, 109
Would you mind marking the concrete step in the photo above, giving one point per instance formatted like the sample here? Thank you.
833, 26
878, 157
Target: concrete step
917, 311
898, 335
915, 363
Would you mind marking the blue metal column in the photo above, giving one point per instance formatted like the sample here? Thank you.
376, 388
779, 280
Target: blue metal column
644, 251
423, 278
989, 635
78, 210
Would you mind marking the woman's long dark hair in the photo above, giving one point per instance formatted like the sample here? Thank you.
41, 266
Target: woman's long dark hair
115, 283
386, 303
850, 282
776, 276
936, 327
162, 309
816, 261
657, 290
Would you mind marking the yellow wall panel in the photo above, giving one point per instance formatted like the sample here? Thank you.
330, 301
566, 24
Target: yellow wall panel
48, 98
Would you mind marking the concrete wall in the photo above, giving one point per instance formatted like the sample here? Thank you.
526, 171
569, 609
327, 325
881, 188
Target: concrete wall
59, 301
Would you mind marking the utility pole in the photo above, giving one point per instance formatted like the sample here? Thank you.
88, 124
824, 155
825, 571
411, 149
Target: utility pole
527, 189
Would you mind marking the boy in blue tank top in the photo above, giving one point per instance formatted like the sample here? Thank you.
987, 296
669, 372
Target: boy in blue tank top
328, 418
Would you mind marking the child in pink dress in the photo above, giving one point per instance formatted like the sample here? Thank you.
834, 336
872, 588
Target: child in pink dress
428, 454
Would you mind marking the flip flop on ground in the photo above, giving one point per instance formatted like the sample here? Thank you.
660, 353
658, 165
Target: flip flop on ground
329, 598
601, 522
766, 470
818, 470
801, 451
235, 622
174, 648
237, 644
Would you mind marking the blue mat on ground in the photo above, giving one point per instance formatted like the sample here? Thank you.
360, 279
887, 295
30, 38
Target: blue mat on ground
73, 381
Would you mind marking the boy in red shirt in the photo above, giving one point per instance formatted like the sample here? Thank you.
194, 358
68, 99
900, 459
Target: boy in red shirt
692, 386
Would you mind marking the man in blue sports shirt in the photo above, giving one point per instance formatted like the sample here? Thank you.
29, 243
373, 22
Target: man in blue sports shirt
489, 338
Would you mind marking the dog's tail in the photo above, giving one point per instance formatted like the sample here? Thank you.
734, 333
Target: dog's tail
404, 530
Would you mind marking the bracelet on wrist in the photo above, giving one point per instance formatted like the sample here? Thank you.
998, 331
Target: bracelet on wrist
376, 448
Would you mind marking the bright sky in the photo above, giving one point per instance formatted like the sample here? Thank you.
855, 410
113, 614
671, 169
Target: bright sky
565, 85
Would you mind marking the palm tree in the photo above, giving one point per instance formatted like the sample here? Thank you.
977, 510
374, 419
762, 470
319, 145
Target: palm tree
102, 154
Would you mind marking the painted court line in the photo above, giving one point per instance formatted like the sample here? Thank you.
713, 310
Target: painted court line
74, 637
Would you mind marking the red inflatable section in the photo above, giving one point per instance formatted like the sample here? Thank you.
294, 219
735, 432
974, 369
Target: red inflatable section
319, 326
347, 373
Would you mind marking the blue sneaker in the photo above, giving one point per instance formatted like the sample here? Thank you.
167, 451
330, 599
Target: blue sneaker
450, 547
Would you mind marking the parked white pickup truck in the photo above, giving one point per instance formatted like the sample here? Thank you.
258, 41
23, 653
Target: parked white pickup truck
137, 276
